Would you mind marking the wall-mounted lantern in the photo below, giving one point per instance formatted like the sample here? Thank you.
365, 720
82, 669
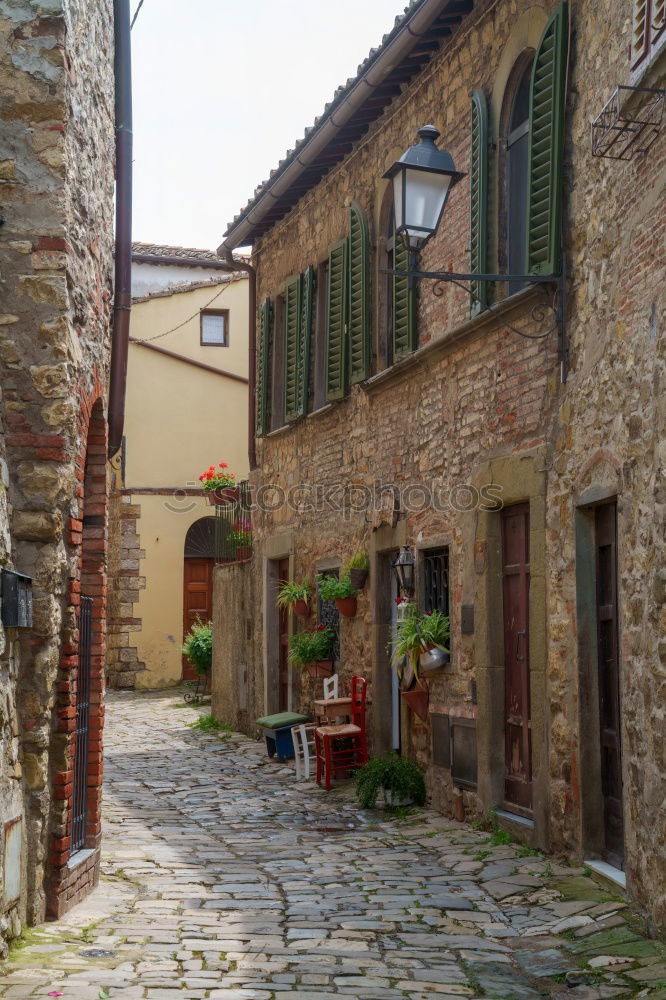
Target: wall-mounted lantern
403, 567
16, 599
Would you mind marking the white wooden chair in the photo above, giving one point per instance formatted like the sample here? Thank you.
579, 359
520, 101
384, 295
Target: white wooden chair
331, 687
303, 738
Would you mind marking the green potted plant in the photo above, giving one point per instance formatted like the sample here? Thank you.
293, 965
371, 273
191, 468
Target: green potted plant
399, 778
295, 595
219, 485
421, 639
358, 568
312, 651
341, 591
241, 538
198, 647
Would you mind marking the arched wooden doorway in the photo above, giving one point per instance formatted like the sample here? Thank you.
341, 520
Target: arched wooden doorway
198, 579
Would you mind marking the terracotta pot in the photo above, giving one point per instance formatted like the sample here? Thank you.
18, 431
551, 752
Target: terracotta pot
228, 495
320, 668
418, 699
243, 552
301, 608
346, 606
358, 578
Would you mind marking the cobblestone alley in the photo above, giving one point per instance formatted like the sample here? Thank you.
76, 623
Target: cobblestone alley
223, 878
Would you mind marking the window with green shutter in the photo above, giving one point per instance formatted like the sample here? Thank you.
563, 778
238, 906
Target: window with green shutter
546, 140
404, 305
292, 323
358, 295
263, 368
478, 181
336, 322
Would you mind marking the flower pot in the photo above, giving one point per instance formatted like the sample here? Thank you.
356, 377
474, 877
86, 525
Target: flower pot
228, 495
433, 658
418, 699
346, 606
395, 801
358, 578
243, 552
301, 608
320, 668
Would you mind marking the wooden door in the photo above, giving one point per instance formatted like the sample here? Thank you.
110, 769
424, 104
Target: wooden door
197, 600
283, 633
609, 681
516, 589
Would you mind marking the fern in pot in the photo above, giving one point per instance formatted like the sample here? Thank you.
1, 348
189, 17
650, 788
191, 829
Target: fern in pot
295, 595
399, 778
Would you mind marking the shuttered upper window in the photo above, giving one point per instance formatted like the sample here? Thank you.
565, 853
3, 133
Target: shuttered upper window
297, 340
358, 295
478, 197
263, 368
648, 35
546, 141
336, 322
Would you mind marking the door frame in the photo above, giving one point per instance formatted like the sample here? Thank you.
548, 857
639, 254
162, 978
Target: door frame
276, 548
593, 838
211, 566
384, 541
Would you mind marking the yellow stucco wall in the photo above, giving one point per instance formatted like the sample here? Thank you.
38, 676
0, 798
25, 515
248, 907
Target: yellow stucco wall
179, 420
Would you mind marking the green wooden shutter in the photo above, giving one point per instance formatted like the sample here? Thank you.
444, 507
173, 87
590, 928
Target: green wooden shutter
546, 140
262, 368
640, 32
336, 322
359, 295
478, 197
292, 322
304, 340
404, 305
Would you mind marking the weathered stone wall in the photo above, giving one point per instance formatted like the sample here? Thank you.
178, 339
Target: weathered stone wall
125, 556
236, 683
479, 405
56, 170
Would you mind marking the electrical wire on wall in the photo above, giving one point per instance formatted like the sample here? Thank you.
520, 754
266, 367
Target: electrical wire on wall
146, 340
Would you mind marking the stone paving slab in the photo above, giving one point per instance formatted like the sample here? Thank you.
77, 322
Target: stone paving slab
224, 879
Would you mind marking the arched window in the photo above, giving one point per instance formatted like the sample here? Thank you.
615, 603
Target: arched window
200, 539
517, 149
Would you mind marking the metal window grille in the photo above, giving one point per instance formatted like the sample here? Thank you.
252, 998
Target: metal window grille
436, 580
80, 797
233, 527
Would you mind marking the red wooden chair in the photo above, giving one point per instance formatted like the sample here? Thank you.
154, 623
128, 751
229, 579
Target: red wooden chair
343, 747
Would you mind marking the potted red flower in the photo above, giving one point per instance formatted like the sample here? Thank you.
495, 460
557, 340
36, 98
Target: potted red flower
219, 485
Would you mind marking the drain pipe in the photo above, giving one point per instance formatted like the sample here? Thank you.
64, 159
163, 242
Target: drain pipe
239, 265
122, 301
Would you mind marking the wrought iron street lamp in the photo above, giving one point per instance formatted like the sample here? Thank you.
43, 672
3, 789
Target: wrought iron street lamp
422, 181
403, 567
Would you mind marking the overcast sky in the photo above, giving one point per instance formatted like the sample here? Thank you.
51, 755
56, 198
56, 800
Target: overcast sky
222, 89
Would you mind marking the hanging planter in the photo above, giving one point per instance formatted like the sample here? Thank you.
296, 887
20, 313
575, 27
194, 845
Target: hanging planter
228, 495
320, 668
243, 552
418, 699
295, 596
219, 485
357, 569
359, 578
301, 608
346, 606
341, 591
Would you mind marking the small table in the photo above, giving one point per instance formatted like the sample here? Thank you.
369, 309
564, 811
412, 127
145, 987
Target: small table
332, 707
277, 731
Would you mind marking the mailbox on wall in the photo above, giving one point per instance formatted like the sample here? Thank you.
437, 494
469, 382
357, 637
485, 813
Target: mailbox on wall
16, 600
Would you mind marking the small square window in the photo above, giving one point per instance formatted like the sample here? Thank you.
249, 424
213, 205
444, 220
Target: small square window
215, 328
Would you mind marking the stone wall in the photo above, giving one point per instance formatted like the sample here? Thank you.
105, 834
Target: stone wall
56, 171
236, 683
478, 405
125, 554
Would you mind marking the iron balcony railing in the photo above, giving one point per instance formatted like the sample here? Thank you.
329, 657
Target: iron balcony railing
233, 527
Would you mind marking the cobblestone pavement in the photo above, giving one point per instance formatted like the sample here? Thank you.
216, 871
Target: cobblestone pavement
223, 878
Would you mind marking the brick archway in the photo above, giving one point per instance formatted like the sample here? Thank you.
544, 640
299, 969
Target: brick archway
75, 862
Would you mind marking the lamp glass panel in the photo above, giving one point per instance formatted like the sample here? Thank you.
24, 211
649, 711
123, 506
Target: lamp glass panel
425, 195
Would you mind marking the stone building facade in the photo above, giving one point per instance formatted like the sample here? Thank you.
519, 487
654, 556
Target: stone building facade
521, 467
56, 185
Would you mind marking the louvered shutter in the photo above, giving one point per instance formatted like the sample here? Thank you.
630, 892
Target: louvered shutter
658, 28
546, 139
262, 368
404, 305
640, 32
359, 295
292, 322
336, 325
305, 339
478, 182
